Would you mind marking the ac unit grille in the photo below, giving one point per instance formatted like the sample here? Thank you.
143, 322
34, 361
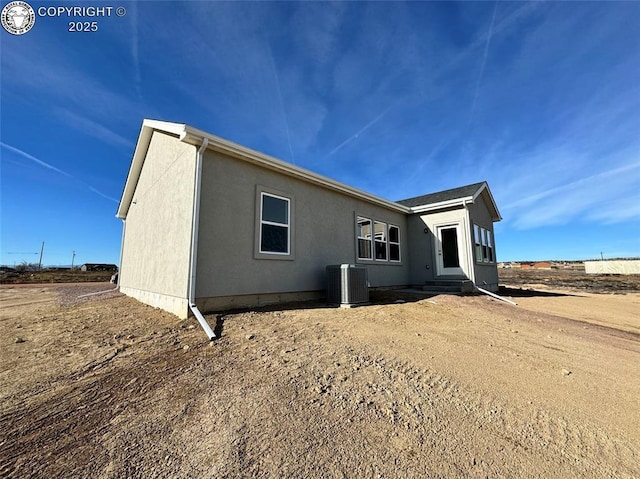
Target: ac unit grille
347, 284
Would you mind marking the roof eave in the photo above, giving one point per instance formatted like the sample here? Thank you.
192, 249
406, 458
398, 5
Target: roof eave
442, 205
461, 202
195, 137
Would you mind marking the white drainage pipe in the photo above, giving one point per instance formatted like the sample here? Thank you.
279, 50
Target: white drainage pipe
194, 244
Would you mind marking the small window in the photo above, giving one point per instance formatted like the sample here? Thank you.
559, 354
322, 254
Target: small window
274, 224
364, 232
380, 230
483, 239
490, 247
394, 243
477, 233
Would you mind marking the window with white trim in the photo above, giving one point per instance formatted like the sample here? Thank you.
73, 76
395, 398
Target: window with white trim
380, 240
377, 240
364, 232
394, 243
483, 239
275, 234
477, 233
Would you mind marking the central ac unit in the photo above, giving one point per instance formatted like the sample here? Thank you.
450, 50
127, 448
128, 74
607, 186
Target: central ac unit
347, 285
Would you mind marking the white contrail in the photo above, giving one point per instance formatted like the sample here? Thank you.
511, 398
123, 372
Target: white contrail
44, 164
359, 132
484, 62
284, 113
135, 48
35, 160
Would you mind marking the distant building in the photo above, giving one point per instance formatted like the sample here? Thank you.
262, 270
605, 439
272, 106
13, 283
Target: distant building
98, 267
534, 265
622, 266
542, 265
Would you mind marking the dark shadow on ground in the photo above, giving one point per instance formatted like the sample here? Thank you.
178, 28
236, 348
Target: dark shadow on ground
511, 292
376, 297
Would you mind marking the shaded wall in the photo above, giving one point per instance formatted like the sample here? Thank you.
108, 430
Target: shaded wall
323, 230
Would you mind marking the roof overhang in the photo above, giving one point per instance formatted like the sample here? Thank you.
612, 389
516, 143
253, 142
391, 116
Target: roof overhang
195, 137
462, 202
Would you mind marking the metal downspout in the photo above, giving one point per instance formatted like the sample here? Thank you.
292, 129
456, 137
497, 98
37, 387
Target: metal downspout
194, 244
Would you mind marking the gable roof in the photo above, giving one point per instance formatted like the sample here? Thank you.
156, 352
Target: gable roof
195, 137
446, 195
453, 197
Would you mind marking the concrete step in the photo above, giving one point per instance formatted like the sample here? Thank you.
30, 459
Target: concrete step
448, 286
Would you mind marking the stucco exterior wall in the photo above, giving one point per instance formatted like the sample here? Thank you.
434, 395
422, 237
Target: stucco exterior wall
155, 256
421, 242
432, 221
486, 274
323, 231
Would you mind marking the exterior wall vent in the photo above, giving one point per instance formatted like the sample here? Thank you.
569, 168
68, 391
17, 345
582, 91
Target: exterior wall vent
347, 285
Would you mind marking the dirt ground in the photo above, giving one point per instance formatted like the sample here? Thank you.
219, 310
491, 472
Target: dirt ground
54, 276
441, 386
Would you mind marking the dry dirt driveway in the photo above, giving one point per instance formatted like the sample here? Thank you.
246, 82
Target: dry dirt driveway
445, 386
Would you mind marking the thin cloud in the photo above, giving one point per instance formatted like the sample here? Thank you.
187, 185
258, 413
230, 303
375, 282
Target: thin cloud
94, 129
48, 166
605, 198
581, 182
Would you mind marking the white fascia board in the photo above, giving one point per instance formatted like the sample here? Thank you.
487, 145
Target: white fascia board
134, 171
459, 202
166, 126
194, 136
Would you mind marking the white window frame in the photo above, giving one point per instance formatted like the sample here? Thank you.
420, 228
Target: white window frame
259, 253
394, 243
364, 238
484, 247
384, 241
477, 233
371, 239
274, 223
485, 251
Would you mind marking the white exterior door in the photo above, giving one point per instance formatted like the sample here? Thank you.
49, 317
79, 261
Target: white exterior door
449, 250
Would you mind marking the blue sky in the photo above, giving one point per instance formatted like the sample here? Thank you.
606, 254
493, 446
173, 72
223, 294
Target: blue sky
542, 100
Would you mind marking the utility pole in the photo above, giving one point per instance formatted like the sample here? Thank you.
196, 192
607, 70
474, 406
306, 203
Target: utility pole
601, 256
41, 251
73, 258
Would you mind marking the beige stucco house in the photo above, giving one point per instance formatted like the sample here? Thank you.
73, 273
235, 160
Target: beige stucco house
212, 225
